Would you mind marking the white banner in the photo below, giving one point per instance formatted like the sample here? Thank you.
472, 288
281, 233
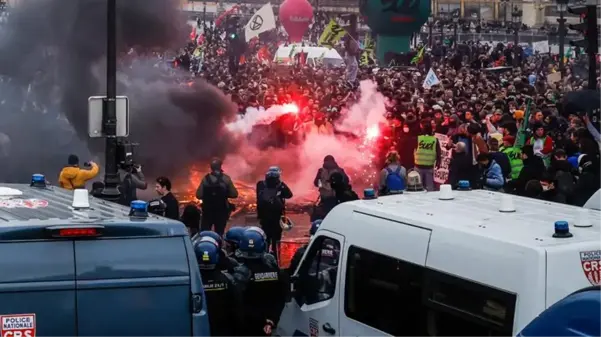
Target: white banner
430, 80
541, 46
441, 174
262, 21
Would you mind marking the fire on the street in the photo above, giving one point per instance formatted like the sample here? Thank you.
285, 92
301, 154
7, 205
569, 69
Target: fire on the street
246, 201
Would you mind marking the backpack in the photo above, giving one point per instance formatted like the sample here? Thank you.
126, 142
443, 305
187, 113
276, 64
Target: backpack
270, 201
214, 192
394, 182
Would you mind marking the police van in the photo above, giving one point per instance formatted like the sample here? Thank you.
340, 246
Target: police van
449, 263
75, 265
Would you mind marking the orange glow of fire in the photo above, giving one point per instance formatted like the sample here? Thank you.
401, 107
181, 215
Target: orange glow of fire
287, 249
246, 200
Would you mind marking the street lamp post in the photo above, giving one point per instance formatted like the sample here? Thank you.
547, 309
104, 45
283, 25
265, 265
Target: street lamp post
562, 6
430, 23
204, 13
109, 115
455, 24
516, 15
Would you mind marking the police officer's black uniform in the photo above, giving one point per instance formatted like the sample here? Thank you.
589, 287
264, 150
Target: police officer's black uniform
224, 301
264, 292
227, 263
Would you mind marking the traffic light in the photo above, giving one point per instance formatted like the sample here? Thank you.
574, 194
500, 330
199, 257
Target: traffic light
588, 27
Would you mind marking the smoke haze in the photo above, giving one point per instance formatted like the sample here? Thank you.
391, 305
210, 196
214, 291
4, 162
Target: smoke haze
52, 58
299, 163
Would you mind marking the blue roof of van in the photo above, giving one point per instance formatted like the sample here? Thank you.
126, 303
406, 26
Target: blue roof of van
52, 206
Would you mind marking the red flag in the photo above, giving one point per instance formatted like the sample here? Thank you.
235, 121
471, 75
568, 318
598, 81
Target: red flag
193, 34
263, 54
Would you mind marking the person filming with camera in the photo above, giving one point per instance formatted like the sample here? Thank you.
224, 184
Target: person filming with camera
73, 177
132, 179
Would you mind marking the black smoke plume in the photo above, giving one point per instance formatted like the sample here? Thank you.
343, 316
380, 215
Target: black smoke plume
52, 58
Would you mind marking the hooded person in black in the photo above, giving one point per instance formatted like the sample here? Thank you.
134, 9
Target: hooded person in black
589, 181
342, 189
562, 173
322, 181
461, 167
533, 170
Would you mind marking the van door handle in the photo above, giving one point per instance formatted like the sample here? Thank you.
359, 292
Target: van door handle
196, 303
328, 328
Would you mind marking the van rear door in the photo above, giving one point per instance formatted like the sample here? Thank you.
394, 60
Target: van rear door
133, 286
37, 287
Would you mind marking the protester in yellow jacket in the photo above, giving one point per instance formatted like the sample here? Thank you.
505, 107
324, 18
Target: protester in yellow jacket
73, 177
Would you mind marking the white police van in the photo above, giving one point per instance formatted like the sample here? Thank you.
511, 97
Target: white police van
472, 263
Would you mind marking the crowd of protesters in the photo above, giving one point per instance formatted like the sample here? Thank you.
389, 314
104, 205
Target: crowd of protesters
481, 110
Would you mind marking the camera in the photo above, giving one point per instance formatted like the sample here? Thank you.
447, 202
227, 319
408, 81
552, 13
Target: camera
125, 154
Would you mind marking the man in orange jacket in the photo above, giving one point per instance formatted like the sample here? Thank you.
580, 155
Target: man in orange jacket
73, 177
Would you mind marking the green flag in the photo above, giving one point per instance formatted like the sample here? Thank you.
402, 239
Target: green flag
520, 140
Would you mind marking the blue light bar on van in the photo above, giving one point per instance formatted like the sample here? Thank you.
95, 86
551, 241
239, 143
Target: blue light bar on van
463, 185
369, 193
138, 209
38, 180
562, 230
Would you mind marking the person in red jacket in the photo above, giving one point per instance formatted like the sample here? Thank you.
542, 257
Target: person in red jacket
542, 144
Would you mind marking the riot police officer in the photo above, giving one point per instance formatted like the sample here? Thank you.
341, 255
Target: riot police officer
264, 286
298, 255
232, 239
226, 263
224, 298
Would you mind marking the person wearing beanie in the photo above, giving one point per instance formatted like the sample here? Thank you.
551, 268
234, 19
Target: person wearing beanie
73, 177
518, 115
